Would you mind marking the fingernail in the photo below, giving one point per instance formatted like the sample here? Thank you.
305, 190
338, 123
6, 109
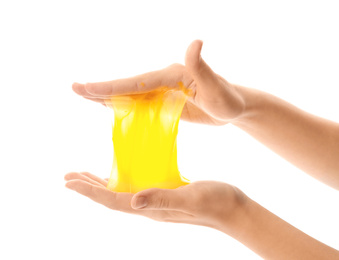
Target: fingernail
140, 202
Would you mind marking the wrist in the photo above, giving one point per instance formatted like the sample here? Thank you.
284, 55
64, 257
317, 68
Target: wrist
240, 221
234, 221
250, 100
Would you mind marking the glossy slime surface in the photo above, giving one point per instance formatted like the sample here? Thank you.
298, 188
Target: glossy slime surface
144, 134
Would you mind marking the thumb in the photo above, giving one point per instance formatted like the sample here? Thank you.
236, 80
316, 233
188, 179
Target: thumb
196, 66
159, 199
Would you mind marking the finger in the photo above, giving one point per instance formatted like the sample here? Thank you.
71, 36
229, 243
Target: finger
203, 75
160, 199
95, 178
81, 90
117, 201
195, 64
98, 100
138, 84
78, 176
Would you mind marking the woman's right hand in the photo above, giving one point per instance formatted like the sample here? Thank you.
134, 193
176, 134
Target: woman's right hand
213, 101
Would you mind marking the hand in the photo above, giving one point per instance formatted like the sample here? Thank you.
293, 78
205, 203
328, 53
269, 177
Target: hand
214, 100
207, 203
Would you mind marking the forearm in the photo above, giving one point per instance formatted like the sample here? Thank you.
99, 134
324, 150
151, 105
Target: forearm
273, 238
309, 142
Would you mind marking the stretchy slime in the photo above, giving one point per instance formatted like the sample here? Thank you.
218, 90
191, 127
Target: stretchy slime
144, 140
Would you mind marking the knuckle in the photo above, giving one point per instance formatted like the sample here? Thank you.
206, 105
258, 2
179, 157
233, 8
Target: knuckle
161, 201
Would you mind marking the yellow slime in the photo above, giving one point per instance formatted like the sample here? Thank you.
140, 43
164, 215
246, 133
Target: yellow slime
144, 140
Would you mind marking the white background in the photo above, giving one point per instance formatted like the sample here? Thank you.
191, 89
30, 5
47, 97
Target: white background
289, 49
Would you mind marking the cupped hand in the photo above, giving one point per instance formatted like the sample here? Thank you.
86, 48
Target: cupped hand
213, 101
207, 203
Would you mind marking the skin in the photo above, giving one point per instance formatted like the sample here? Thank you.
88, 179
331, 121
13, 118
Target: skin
309, 142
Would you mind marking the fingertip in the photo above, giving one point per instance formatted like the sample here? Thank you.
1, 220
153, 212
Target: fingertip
77, 87
196, 46
141, 197
138, 202
68, 176
76, 185
133, 200
193, 56
68, 185
76, 84
198, 43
